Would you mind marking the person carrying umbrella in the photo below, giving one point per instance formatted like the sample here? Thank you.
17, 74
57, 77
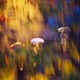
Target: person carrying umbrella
64, 37
18, 47
37, 54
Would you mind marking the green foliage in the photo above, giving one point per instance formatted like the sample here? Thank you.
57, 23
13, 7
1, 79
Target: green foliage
73, 76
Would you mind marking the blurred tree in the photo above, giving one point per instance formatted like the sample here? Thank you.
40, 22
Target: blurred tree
2, 4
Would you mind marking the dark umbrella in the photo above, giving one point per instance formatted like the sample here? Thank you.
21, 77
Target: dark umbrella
64, 29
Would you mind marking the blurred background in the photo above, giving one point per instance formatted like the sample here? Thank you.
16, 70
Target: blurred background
23, 20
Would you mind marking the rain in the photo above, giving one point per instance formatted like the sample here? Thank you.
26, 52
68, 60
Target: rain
39, 40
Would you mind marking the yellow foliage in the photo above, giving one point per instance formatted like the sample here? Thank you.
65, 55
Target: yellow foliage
38, 76
59, 62
9, 75
67, 67
22, 18
74, 52
41, 77
49, 70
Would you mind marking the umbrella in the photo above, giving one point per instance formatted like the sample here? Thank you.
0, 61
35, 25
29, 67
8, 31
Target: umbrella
37, 40
64, 29
16, 45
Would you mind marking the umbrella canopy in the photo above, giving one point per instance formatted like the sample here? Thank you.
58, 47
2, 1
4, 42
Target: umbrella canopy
16, 45
37, 40
64, 29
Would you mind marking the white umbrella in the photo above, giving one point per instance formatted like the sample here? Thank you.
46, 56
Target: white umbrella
16, 45
37, 40
64, 29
